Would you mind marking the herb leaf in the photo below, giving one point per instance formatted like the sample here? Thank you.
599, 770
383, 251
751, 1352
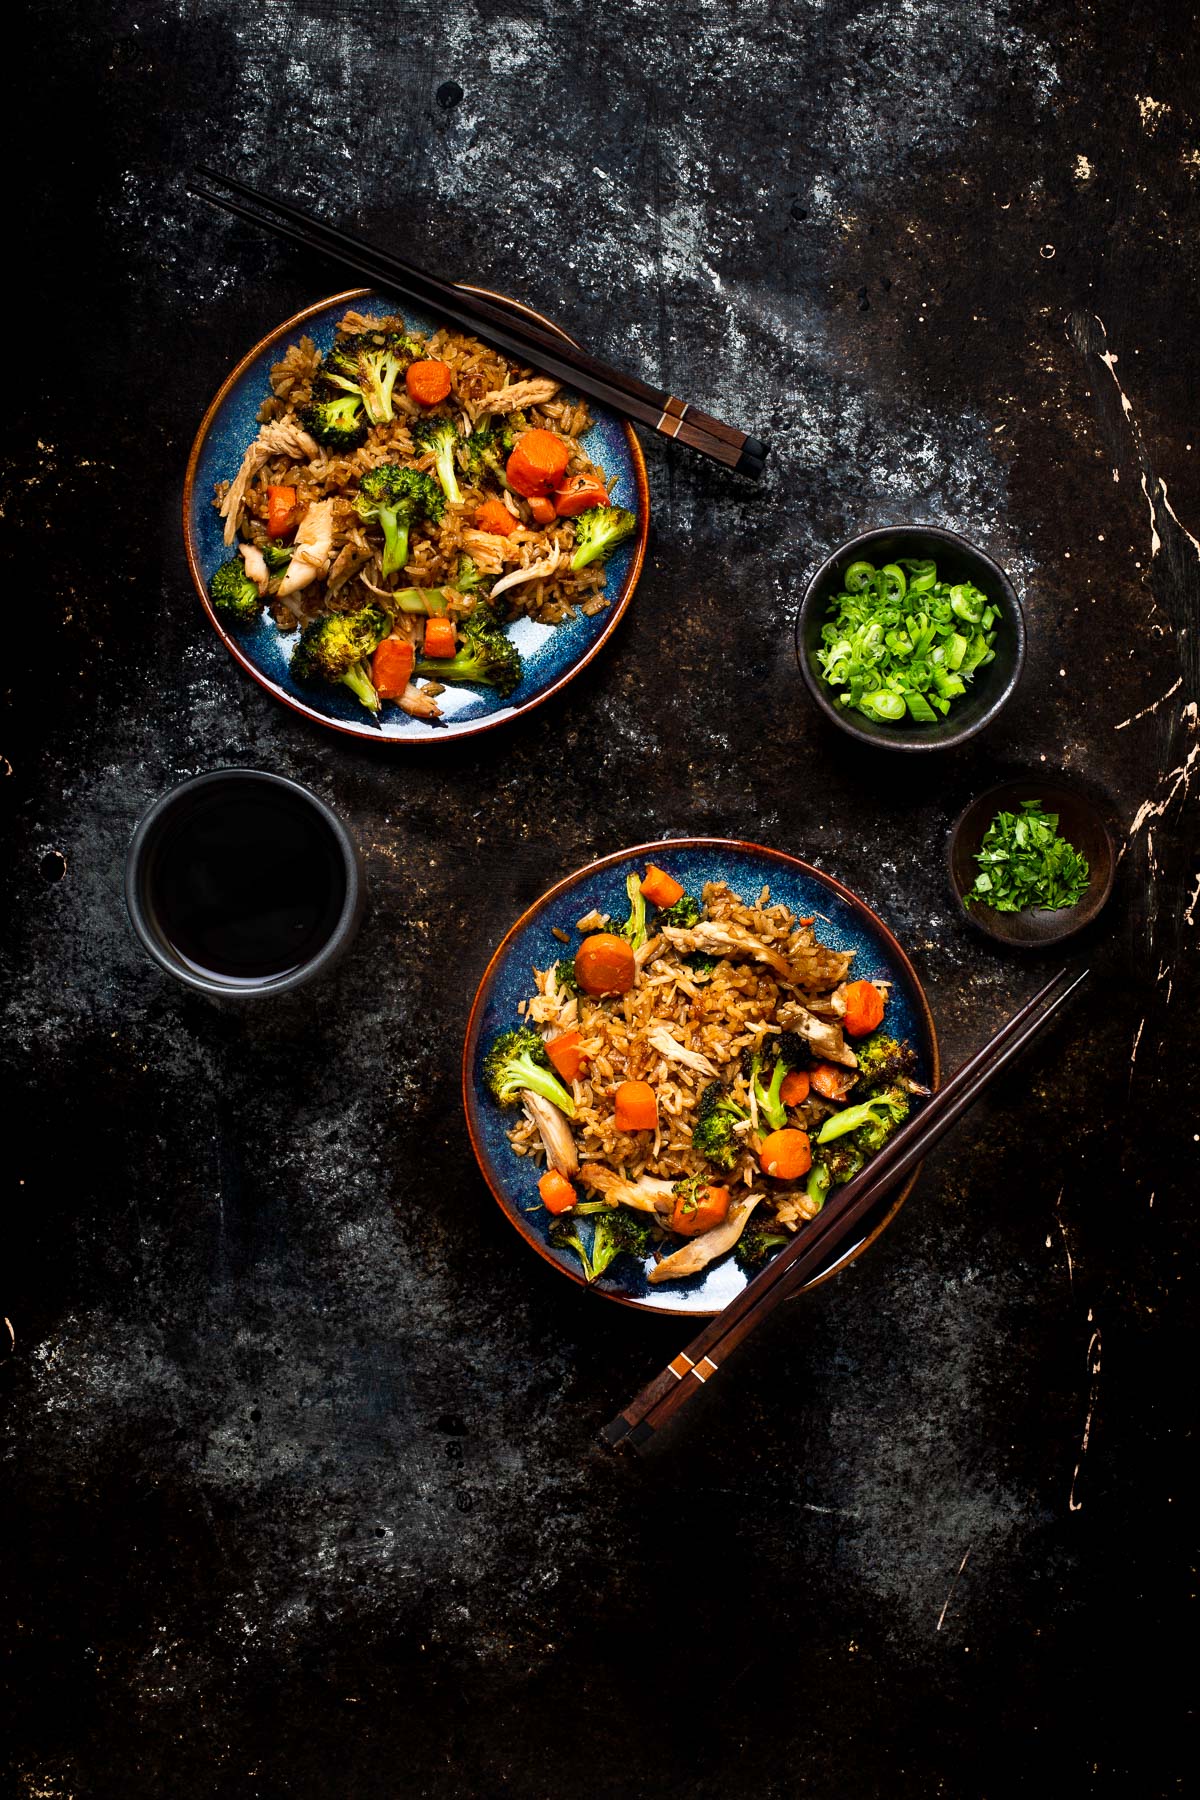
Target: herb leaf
1024, 863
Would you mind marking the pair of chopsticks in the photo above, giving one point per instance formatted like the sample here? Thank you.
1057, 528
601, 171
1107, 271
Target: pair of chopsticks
518, 336
782, 1278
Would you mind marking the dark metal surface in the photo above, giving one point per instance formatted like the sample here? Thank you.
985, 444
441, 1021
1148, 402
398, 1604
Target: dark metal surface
300, 1484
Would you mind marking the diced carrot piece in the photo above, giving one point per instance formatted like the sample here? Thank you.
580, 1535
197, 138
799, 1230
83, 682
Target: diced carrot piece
281, 506
495, 517
541, 510
793, 1089
605, 964
558, 1196
786, 1154
427, 382
439, 637
692, 1215
538, 460
864, 1008
830, 1081
565, 1054
392, 667
635, 1107
578, 494
660, 888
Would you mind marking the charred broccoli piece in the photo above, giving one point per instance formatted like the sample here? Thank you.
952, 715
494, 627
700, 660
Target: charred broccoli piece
277, 556
337, 423
564, 1235
779, 1054
369, 364
756, 1245
884, 1060
439, 438
634, 928
485, 656
234, 596
872, 1122
618, 1232
565, 978
335, 648
518, 1060
714, 1136
468, 577
392, 497
598, 531
487, 450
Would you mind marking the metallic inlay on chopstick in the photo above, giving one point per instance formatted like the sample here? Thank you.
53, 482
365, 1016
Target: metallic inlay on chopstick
507, 330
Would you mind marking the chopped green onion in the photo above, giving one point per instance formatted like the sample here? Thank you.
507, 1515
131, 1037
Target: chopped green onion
899, 644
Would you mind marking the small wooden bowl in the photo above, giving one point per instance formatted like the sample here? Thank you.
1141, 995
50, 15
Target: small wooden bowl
1080, 821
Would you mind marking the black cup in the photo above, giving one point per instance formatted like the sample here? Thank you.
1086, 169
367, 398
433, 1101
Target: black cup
241, 883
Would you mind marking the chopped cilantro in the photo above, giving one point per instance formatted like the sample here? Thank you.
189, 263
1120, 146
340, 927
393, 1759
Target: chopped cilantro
1023, 863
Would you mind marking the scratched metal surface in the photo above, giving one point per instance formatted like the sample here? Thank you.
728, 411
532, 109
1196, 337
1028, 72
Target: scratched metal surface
300, 1481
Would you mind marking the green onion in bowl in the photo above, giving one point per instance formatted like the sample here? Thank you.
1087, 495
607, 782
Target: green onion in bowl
899, 644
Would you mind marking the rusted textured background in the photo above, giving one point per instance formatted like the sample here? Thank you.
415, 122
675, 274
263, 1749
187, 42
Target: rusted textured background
301, 1484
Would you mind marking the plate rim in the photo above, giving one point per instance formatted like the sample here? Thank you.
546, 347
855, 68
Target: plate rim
526, 918
360, 733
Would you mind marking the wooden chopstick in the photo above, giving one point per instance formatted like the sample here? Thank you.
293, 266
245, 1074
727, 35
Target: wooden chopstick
525, 339
783, 1278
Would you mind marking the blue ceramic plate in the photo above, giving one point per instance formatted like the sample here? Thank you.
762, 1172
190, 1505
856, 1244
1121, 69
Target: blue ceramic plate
553, 654
844, 922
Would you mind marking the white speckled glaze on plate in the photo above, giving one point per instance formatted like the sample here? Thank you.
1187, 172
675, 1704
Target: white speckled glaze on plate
844, 922
553, 654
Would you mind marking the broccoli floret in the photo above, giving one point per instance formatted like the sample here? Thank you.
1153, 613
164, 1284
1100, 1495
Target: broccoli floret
780, 1054
278, 556
883, 1060
714, 1136
565, 978
233, 594
392, 498
618, 1232
337, 423
872, 1121
564, 1235
833, 1167
487, 450
685, 913
369, 364
518, 1060
599, 530
334, 648
468, 577
440, 437
634, 927
700, 963
485, 656
756, 1245
818, 1184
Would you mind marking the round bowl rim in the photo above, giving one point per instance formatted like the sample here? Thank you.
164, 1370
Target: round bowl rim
338, 938
857, 904
350, 729
898, 741
1072, 930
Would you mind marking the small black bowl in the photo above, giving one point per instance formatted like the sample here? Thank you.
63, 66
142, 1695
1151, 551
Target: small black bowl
956, 560
1080, 821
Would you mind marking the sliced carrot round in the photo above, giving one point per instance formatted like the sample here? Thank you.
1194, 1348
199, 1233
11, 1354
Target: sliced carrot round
605, 964
793, 1089
864, 1008
578, 495
538, 460
493, 516
428, 382
786, 1155
830, 1081
558, 1196
660, 888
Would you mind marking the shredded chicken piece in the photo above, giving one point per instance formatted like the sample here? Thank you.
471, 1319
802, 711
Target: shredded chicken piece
555, 1132
278, 437
312, 549
534, 572
825, 1035
667, 1046
534, 392
647, 952
346, 564
418, 705
700, 1251
256, 566
648, 1194
810, 965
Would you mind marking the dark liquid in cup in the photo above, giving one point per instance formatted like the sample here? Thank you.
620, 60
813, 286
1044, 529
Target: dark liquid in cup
247, 882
